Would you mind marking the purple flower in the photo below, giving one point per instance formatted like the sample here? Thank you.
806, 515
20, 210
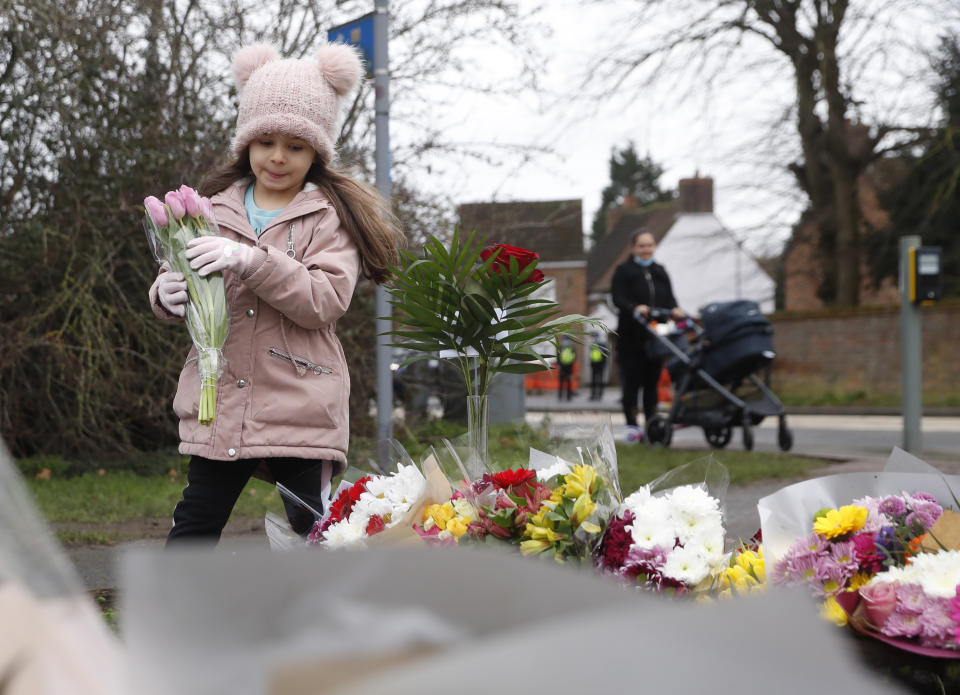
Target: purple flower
910, 598
887, 541
935, 624
925, 496
893, 506
844, 554
901, 624
655, 557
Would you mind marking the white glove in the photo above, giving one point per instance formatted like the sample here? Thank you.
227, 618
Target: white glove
208, 254
172, 292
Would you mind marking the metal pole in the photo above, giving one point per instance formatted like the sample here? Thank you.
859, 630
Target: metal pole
381, 84
911, 367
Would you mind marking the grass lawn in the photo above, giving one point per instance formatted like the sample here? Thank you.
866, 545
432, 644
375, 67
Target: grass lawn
115, 496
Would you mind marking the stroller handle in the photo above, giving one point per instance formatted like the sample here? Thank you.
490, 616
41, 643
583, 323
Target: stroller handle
657, 314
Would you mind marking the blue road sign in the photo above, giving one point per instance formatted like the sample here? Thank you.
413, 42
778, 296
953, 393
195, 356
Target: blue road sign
357, 32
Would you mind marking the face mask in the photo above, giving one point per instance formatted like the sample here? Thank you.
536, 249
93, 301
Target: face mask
640, 261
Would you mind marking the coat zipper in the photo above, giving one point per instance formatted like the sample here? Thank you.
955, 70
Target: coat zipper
306, 364
650, 286
290, 250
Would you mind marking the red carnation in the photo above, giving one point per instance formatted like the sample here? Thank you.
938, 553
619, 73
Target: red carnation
375, 525
502, 262
509, 478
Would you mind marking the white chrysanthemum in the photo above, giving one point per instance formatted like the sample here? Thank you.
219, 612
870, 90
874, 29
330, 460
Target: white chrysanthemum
938, 574
635, 500
686, 565
561, 467
693, 501
368, 506
403, 487
708, 541
655, 507
344, 534
688, 524
648, 530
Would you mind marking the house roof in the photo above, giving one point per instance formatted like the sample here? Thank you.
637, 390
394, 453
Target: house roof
706, 264
552, 228
614, 247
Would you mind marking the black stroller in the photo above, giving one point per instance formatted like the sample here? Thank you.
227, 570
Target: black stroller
714, 375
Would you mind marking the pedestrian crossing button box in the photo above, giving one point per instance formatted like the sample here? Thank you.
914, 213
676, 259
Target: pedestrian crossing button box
926, 274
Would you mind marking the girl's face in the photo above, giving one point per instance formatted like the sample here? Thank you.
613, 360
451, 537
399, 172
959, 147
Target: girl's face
644, 247
280, 164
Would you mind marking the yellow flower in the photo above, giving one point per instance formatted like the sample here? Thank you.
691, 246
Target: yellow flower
463, 508
582, 508
590, 527
437, 514
533, 547
831, 610
859, 579
541, 533
581, 479
837, 522
456, 527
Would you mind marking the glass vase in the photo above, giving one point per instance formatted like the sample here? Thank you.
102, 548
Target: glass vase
477, 436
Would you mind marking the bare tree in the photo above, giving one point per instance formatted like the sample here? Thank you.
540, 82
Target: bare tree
846, 65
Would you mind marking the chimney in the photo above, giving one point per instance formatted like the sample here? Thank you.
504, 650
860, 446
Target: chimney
696, 194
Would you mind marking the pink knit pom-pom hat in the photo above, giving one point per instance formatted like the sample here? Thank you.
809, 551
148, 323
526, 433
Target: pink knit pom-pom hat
300, 98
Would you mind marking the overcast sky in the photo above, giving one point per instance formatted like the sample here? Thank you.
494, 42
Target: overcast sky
722, 133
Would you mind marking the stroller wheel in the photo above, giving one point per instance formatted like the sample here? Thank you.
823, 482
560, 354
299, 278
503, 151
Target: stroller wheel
747, 437
785, 438
659, 430
718, 437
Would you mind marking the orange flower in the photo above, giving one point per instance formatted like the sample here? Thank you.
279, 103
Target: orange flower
914, 547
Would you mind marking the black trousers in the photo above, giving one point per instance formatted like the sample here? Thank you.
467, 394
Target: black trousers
596, 380
566, 381
637, 373
214, 486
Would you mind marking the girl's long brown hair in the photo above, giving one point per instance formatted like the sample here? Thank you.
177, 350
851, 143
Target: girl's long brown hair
363, 212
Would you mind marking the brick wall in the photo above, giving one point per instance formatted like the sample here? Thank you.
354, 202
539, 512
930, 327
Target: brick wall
571, 285
840, 355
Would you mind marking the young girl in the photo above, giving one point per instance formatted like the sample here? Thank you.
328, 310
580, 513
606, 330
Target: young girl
294, 236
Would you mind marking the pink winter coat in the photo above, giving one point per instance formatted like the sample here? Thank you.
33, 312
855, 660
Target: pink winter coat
285, 389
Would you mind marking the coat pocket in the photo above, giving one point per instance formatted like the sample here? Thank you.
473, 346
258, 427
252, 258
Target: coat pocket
295, 390
186, 403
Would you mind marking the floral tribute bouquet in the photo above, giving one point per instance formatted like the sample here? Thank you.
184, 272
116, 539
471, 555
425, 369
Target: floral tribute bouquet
669, 535
497, 506
380, 508
887, 563
184, 215
669, 542
848, 545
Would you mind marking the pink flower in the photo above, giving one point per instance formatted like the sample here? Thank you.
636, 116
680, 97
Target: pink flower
206, 208
155, 209
879, 600
174, 201
191, 200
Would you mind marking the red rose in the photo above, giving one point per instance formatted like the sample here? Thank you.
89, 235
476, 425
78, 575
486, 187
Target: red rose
502, 263
375, 525
509, 478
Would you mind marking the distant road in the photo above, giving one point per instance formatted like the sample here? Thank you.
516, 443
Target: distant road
832, 436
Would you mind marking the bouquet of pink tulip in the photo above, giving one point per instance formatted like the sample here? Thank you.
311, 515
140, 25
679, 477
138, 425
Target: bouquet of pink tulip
184, 215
